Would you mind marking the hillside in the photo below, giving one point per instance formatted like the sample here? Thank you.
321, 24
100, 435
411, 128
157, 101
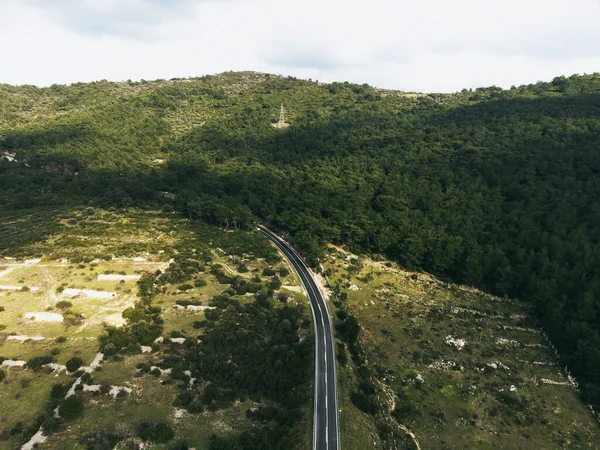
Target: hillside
455, 366
491, 188
139, 327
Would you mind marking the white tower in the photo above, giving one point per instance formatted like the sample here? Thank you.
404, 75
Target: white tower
281, 115
281, 123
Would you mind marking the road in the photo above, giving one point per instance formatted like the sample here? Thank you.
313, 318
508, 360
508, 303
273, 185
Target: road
325, 419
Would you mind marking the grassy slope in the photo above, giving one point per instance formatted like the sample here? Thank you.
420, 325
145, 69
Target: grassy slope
77, 234
490, 394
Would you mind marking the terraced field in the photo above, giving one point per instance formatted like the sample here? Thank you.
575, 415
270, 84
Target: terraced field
77, 275
458, 367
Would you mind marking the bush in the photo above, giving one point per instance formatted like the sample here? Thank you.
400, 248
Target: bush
200, 282
64, 305
159, 432
37, 362
61, 339
2, 375
363, 402
74, 363
275, 283
58, 391
1, 308
71, 407
185, 287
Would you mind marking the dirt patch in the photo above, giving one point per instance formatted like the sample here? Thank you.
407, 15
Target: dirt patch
25, 338
4, 287
37, 438
13, 363
115, 319
89, 293
56, 368
294, 288
6, 271
162, 371
91, 388
114, 277
321, 284
43, 317
116, 390
193, 307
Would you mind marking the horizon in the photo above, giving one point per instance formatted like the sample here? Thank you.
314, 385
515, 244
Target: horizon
198, 77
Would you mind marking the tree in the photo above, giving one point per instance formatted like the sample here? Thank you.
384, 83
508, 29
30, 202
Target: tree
74, 363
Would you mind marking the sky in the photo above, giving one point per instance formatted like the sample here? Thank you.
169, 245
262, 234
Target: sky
417, 45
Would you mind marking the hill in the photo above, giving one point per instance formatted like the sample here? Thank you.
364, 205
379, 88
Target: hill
492, 188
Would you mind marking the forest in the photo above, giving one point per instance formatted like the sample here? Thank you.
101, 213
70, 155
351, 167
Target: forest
489, 187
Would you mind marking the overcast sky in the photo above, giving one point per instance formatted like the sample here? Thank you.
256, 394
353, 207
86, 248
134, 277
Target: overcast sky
417, 45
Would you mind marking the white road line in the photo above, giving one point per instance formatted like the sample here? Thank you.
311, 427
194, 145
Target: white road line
315, 298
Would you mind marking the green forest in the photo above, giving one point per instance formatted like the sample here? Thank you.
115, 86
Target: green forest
489, 187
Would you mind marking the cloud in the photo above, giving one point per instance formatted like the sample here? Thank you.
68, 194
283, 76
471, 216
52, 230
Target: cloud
132, 18
431, 45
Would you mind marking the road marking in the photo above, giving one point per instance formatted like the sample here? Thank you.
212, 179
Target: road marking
315, 298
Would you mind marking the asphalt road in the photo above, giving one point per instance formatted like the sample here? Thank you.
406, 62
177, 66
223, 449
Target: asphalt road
325, 421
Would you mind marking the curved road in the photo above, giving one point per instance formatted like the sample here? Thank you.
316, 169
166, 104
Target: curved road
325, 420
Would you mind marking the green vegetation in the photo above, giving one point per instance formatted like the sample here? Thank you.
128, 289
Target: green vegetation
492, 188
73, 364
458, 367
128, 296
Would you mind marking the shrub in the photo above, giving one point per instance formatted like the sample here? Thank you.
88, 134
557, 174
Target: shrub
275, 283
200, 282
71, 407
58, 391
363, 402
159, 432
185, 287
63, 304
61, 339
2, 375
37, 362
268, 272
1, 308
74, 363
283, 272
